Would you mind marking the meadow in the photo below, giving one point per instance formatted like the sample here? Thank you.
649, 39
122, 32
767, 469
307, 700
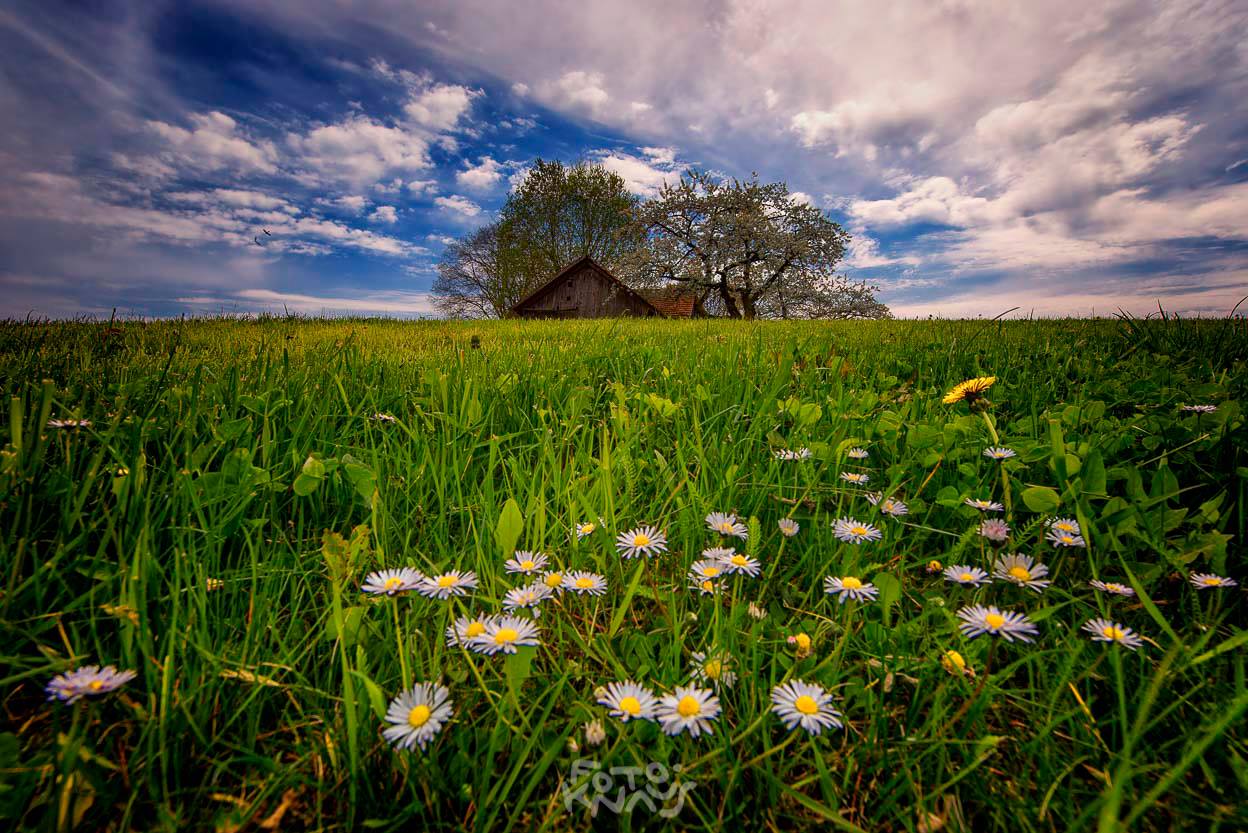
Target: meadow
213, 526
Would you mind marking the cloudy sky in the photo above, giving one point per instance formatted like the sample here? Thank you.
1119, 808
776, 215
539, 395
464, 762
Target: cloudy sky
1064, 157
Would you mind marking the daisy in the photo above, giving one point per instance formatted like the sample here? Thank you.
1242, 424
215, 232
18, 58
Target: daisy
718, 553
888, 505
644, 540
850, 587
855, 478
715, 669
1103, 630
802, 453
711, 568
581, 582
857, 454
505, 633
1112, 587
1023, 570
465, 629
803, 704
1199, 409
995, 530
554, 582
726, 525
788, 527
962, 574
385, 418
1207, 581
978, 619
738, 563
999, 453
969, 390
87, 681
705, 586
417, 715
526, 597
392, 582
689, 709
983, 505
1064, 539
68, 424
454, 583
1069, 526
525, 562
587, 528
628, 701
854, 532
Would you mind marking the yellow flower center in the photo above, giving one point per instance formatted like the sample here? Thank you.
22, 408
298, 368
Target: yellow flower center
1212, 581
725, 527
584, 583
446, 581
803, 641
1066, 539
966, 577
858, 530
527, 565
711, 572
1020, 573
554, 579
738, 560
630, 705
994, 620
713, 668
952, 661
95, 685
505, 635
688, 706
586, 529
474, 629
392, 583
708, 585
418, 716
1064, 527
641, 540
1111, 632
850, 583
806, 704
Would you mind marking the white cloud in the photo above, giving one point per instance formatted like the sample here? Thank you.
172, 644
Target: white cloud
440, 106
459, 205
520, 88
643, 177
359, 151
214, 142
374, 303
578, 90
422, 187
384, 214
804, 198
482, 176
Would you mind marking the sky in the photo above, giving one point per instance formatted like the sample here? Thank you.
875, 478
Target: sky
315, 156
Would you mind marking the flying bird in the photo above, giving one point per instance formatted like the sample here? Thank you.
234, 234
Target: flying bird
258, 243
267, 232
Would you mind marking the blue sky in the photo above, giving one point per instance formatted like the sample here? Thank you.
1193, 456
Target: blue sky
1062, 157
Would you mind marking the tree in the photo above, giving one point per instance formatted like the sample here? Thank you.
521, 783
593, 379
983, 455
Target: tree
555, 215
748, 250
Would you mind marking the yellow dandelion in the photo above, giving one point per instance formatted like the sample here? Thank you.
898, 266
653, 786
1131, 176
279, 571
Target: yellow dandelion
969, 390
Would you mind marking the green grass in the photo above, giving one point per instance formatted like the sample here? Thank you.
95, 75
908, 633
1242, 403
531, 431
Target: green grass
261, 701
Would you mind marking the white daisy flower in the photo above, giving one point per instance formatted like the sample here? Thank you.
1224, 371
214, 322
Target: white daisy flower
1208, 581
726, 525
855, 478
87, 681
718, 553
983, 505
798, 703
978, 619
579, 581
417, 715
999, 453
705, 586
392, 582
529, 597
857, 454
688, 709
1066, 525
1199, 409
850, 587
644, 540
68, 424
995, 530
1064, 539
525, 562
738, 563
465, 629
1022, 570
710, 568
587, 528
554, 582
714, 669
788, 527
506, 634
453, 583
887, 505
628, 701
802, 453
388, 419
1104, 630
1112, 587
854, 532
963, 574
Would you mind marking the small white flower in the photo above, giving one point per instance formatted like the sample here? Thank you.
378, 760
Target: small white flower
1112, 587
595, 733
978, 620
964, 574
87, 681
855, 478
1103, 630
995, 530
1064, 539
525, 562
465, 629
1210, 581
1199, 409
999, 453
738, 563
453, 583
587, 528
1065, 525
803, 704
788, 527
383, 418
710, 568
529, 597
726, 525
718, 553
798, 454
857, 454
579, 581
644, 540
688, 709
983, 505
850, 587
392, 582
887, 505
1022, 570
854, 532
715, 669
68, 424
628, 701
417, 715
506, 634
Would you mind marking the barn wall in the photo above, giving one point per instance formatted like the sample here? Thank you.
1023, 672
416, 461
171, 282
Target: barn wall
586, 293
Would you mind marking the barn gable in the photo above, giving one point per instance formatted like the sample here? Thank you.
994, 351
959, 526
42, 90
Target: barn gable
584, 289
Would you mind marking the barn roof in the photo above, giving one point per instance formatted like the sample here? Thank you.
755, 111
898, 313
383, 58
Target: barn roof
576, 266
674, 302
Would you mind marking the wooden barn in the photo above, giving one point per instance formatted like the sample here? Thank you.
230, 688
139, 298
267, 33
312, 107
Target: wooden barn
586, 289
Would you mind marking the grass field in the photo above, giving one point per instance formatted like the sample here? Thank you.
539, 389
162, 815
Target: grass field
212, 527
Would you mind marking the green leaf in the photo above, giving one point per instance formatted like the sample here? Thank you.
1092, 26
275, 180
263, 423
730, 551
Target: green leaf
510, 525
351, 621
518, 667
1041, 499
375, 696
310, 477
890, 592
